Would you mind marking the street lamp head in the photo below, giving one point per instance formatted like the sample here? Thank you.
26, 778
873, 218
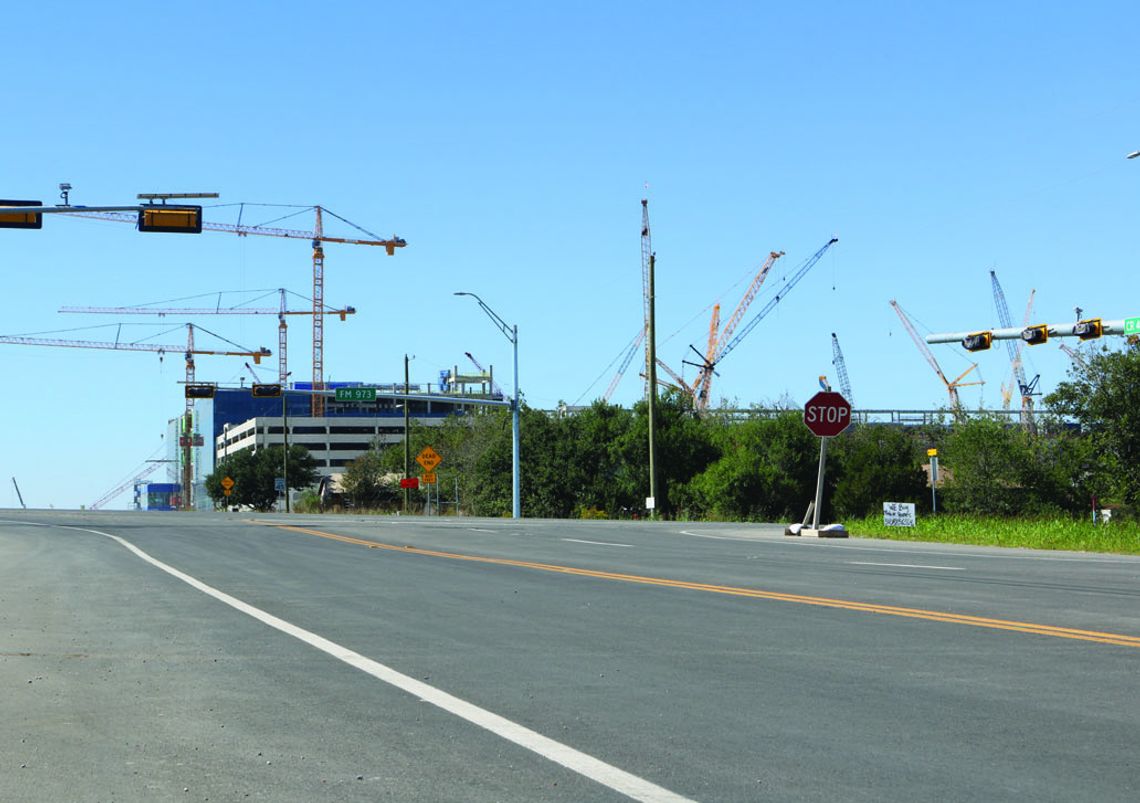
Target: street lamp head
1133, 155
471, 294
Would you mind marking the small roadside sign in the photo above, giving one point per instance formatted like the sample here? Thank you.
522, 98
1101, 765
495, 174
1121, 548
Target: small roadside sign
1132, 326
410, 482
428, 478
279, 484
429, 458
354, 394
227, 483
898, 514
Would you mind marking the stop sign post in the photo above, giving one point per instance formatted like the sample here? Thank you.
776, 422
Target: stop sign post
826, 414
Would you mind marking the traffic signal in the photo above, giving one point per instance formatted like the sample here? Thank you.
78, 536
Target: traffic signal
176, 219
21, 220
1089, 329
978, 341
265, 391
200, 391
1036, 335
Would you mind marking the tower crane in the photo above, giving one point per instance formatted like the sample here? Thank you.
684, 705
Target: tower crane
841, 369
189, 351
951, 386
1025, 388
281, 312
1074, 355
718, 341
317, 237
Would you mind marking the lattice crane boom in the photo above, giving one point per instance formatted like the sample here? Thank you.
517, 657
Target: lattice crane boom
841, 369
646, 255
951, 385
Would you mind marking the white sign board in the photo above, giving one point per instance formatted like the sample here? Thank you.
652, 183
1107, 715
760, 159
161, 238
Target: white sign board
898, 514
650, 502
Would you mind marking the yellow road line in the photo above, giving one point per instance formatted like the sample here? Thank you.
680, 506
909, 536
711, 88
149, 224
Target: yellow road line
1117, 639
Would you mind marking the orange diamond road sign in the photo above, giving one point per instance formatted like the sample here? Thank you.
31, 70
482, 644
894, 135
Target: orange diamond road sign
428, 478
227, 483
428, 458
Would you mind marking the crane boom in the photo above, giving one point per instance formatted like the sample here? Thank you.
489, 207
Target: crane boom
111, 494
801, 271
646, 256
951, 385
626, 360
841, 368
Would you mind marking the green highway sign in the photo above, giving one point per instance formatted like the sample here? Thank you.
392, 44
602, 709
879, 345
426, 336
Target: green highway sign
355, 394
1132, 326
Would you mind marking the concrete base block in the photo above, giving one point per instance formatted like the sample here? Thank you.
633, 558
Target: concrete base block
826, 531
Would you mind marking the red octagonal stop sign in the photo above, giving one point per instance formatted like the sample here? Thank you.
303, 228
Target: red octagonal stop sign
827, 414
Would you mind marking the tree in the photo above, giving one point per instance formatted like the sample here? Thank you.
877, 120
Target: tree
254, 474
1103, 396
988, 461
766, 471
365, 481
876, 463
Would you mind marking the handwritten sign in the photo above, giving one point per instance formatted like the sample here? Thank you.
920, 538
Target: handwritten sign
898, 514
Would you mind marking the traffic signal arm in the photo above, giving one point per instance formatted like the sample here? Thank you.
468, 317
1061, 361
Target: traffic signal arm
1051, 330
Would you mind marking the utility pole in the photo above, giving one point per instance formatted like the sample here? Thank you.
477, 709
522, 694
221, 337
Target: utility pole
407, 444
651, 372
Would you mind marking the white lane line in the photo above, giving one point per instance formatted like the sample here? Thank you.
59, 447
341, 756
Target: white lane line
596, 770
599, 543
477, 530
908, 566
723, 537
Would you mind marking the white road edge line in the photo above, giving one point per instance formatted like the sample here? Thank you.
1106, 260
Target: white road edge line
907, 566
596, 770
599, 543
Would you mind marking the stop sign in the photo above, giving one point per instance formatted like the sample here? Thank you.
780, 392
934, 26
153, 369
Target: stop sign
827, 414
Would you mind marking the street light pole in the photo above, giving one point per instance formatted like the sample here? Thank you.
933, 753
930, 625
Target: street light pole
512, 334
407, 444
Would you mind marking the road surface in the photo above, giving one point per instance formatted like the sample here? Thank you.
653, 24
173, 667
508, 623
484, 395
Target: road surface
237, 657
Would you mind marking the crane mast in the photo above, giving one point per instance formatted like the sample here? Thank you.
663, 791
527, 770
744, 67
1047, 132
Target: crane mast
646, 255
1025, 388
187, 428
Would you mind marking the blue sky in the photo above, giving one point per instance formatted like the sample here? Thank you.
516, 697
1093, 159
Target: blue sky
511, 144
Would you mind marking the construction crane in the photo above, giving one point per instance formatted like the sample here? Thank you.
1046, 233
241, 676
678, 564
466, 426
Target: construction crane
723, 348
1025, 387
841, 369
19, 495
717, 341
626, 360
494, 385
646, 256
951, 386
317, 237
1075, 356
190, 350
281, 312
118, 489
1007, 387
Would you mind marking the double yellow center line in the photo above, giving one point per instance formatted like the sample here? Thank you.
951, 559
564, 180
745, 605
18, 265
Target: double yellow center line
1117, 639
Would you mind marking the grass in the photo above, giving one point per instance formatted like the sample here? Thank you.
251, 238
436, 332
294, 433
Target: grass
1028, 533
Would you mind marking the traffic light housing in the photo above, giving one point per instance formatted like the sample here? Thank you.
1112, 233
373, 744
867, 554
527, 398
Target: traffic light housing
978, 341
1089, 329
21, 220
171, 219
200, 391
265, 391
1036, 335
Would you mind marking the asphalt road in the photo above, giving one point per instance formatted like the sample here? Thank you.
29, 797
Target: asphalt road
228, 658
